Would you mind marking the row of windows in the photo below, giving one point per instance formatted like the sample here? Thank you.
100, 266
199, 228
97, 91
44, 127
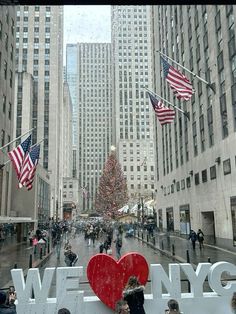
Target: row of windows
138, 168
140, 186
204, 176
36, 19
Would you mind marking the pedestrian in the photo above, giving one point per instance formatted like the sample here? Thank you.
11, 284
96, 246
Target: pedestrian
4, 308
63, 311
70, 257
233, 303
122, 307
200, 237
118, 243
101, 247
193, 237
173, 306
134, 295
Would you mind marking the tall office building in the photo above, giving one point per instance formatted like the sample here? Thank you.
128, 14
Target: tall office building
39, 52
92, 92
7, 82
134, 118
71, 78
196, 157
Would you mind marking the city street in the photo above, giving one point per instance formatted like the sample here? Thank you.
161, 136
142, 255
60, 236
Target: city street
80, 247
13, 253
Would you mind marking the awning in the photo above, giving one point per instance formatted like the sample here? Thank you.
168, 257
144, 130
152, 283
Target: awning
124, 209
9, 220
134, 209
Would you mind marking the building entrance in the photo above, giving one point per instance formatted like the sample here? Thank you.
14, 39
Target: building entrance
184, 219
169, 219
208, 226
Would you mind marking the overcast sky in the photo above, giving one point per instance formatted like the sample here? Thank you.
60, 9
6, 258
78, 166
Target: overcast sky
87, 23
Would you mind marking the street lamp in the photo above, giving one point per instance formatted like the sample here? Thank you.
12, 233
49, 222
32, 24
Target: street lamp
113, 148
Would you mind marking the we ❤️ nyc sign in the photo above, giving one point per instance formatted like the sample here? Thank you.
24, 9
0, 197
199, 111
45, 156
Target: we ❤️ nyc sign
108, 277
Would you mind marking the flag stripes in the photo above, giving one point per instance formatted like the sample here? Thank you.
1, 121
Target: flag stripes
29, 168
179, 83
18, 154
164, 114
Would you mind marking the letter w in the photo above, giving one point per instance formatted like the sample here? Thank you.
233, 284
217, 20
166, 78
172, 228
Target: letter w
33, 284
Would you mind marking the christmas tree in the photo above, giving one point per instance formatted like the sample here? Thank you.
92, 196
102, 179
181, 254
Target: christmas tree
112, 192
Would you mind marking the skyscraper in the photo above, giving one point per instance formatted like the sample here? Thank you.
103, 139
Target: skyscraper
132, 61
7, 79
39, 51
91, 91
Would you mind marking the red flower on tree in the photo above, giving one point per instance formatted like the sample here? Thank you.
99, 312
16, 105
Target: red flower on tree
112, 191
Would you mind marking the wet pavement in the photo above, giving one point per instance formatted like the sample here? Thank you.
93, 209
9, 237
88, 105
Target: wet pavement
155, 251
79, 246
181, 249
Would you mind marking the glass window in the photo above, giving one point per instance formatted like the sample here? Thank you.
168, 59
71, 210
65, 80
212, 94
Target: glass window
213, 172
226, 167
196, 178
204, 175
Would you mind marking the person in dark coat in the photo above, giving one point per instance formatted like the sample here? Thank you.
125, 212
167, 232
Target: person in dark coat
200, 237
193, 237
134, 295
4, 308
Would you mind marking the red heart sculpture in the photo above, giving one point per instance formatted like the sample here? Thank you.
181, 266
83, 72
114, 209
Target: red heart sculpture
108, 277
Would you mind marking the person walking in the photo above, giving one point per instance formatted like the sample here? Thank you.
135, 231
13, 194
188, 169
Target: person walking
173, 306
118, 243
193, 238
134, 295
200, 237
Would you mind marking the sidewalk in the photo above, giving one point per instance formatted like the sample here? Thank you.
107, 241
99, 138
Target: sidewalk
177, 248
17, 255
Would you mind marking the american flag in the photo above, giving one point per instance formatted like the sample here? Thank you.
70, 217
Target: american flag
29, 168
164, 114
18, 154
181, 86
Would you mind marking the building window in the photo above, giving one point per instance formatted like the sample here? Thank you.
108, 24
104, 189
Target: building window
188, 182
195, 139
5, 70
213, 172
2, 138
210, 126
226, 167
233, 216
224, 116
4, 101
204, 175
233, 94
202, 133
177, 186
196, 178
182, 184
9, 111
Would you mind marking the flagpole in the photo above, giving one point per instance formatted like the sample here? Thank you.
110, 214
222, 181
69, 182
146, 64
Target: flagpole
184, 112
15, 139
37, 143
211, 85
